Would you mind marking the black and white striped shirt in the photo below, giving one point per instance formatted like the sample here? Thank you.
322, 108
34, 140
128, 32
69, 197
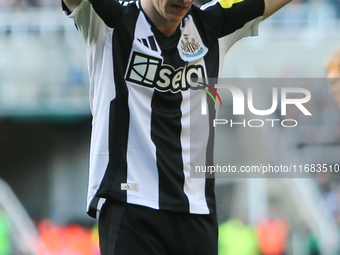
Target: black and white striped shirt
144, 141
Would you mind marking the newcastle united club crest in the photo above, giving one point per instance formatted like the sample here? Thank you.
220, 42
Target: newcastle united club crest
190, 48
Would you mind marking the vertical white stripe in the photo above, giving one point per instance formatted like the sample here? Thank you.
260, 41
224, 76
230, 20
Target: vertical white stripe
194, 139
141, 152
100, 65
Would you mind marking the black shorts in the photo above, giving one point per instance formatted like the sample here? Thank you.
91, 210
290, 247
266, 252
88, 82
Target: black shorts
127, 229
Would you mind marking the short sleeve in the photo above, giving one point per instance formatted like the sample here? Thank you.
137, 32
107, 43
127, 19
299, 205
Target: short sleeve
89, 25
228, 16
110, 11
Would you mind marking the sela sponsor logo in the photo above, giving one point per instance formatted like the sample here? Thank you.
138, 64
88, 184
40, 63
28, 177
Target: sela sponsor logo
149, 71
190, 48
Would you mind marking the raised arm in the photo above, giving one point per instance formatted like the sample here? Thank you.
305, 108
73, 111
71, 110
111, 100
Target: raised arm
110, 11
271, 6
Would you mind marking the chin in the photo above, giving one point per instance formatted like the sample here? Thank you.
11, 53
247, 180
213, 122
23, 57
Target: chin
175, 18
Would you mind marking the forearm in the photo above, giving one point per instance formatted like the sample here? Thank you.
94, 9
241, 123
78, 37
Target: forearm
271, 6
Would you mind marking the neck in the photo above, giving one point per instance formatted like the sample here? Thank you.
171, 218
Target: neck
167, 30
161, 23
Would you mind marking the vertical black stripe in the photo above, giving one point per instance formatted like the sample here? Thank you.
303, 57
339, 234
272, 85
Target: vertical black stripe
152, 43
145, 42
166, 131
166, 134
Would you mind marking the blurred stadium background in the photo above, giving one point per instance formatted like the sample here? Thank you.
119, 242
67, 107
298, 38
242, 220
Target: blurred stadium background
45, 130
